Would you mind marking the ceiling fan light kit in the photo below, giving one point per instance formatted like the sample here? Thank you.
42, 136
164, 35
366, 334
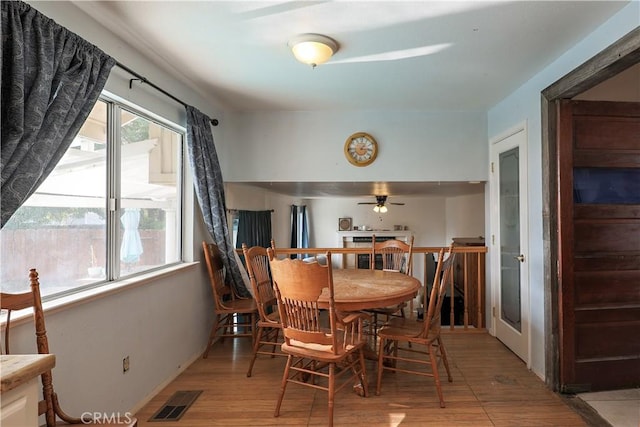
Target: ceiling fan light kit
313, 49
380, 204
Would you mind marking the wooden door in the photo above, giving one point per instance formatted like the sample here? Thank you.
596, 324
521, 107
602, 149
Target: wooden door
599, 245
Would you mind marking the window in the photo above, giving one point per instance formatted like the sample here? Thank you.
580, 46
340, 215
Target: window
112, 207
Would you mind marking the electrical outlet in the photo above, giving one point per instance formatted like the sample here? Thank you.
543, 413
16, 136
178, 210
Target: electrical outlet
125, 364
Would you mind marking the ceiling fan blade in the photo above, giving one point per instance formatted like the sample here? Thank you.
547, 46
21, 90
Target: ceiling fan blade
394, 203
367, 203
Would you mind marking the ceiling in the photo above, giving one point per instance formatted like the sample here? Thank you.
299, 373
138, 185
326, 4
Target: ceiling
393, 55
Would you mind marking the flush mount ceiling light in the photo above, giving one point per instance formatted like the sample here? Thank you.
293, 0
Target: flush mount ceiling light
313, 49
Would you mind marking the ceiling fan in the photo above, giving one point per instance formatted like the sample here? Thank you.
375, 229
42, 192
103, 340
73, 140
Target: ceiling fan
380, 204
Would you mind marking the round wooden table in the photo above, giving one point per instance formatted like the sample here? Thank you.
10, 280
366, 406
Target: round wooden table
363, 289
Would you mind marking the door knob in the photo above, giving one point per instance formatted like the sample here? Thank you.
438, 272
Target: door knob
519, 258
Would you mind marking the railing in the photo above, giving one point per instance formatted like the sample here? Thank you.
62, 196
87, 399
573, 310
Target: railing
468, 280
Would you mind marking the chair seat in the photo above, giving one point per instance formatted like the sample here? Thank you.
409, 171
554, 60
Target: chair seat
272, 321
401, 327
403, 323
406, 334
240, 306
320, 352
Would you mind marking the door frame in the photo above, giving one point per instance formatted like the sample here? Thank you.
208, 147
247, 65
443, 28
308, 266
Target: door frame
524, 233
617, 57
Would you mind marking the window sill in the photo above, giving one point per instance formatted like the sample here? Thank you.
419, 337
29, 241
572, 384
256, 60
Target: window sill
88, 295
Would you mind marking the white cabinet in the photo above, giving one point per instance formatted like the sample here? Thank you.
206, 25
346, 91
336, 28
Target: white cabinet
20, 405
19, 381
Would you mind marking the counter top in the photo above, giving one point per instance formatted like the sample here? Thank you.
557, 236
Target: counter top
17, 369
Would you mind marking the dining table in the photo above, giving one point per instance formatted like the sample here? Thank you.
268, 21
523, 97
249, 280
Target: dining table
358, 289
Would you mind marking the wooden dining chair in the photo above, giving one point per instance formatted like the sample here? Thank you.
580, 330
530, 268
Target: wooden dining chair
396, 255
235, 317
49, 405
321, 353
415, 347
268, 338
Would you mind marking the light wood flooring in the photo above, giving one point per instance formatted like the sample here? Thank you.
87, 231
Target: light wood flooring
491, 387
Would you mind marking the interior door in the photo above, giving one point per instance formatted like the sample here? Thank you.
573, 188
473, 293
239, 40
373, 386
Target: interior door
599, 245
509, 242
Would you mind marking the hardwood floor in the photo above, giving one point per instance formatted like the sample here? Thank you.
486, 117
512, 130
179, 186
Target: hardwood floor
491, 387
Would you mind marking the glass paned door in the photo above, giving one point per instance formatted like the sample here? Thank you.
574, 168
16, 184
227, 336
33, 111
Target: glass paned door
509, 266
510, 311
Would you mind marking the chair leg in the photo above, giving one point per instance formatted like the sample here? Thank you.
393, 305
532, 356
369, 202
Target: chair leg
256, 346
228, 326
276, 336
436, 376
254, 325
363, 374
380, 365
283, 385
443, 356
332, 386
212, 336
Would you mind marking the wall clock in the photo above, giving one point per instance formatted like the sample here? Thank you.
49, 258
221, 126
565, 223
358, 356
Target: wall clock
361, 149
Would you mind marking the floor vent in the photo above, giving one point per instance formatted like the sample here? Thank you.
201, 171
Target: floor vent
176, 406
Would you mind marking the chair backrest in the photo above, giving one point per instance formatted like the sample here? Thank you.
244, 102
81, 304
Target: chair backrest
257, 261
221, 291
434, 299
11, 302
396, 255
298, 286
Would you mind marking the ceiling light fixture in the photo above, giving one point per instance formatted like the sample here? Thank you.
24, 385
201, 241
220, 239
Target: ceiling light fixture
313, 49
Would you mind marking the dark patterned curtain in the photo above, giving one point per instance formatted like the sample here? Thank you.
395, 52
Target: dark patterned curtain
208, 182
254, 228
50, 81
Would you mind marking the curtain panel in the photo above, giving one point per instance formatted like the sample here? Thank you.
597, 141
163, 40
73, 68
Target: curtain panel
209, 186
254, 228
299, 229
51, 79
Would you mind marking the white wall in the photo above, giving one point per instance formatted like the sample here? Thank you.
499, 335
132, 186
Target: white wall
465, 216
309, 146
524, 105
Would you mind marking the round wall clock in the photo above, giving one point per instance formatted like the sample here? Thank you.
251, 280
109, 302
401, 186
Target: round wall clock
361, 149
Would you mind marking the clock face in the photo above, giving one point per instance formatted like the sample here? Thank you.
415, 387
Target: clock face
361, 149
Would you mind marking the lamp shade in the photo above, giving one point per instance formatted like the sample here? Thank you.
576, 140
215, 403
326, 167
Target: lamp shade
313, 49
